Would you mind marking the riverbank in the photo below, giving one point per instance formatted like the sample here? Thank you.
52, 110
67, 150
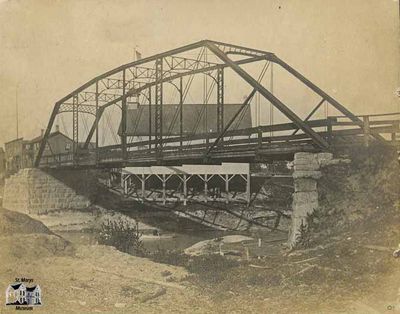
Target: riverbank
351, 273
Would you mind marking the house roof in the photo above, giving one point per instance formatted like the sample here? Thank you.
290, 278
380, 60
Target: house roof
16, 286
138, 119
30, 288
40, 137
15, 140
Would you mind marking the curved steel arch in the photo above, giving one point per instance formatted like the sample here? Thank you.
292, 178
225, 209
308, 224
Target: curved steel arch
134, 77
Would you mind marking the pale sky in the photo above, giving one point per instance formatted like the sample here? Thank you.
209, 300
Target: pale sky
48, 47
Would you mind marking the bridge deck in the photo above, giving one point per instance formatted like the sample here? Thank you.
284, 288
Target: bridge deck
245, 145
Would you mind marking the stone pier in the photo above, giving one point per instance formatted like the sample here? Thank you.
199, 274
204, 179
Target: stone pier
305, 198
33, 191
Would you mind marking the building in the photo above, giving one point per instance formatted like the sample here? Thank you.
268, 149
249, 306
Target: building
20, 153
2, 164
57, 144
19, 294
17, 155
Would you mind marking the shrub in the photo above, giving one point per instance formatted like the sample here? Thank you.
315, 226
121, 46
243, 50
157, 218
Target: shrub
171, 257
212, 268
121, 235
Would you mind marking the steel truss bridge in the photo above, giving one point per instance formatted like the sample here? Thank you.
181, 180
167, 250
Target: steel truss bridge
98, 126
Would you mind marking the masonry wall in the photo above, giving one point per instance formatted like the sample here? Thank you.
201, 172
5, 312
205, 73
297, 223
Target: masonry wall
33, 191
306, 174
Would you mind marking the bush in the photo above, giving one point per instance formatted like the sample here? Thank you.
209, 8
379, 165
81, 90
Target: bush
121, 235
212, 268
171, 257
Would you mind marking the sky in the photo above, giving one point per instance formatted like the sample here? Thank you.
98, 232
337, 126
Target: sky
350, 49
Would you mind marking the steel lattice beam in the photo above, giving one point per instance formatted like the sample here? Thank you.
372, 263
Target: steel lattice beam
263, 91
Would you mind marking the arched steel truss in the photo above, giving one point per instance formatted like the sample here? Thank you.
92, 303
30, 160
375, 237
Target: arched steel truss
142, 76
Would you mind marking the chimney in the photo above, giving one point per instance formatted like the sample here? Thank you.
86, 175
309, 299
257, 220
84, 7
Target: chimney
57, 128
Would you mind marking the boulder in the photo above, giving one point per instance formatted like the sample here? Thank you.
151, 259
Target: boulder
214, 246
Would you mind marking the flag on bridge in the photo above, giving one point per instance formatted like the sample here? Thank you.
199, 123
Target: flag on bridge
138, 55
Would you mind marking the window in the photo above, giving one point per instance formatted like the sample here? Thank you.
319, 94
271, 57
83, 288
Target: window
68, 146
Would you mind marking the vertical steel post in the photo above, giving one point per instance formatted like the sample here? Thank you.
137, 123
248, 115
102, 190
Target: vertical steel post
97, 118
43, 142
220, 100
150, 120
180, 112
75, 128
123, 118
271, 108
158, 108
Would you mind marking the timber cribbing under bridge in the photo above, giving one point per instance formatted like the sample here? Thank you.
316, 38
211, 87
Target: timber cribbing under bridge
104, 116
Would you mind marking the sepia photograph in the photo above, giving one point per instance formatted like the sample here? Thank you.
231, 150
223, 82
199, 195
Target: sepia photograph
200, 156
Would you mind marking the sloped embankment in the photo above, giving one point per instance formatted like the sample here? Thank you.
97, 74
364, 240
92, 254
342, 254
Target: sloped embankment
359, 192
24, 237
87, 279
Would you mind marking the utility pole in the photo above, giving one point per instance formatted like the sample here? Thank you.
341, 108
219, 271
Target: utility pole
16, 107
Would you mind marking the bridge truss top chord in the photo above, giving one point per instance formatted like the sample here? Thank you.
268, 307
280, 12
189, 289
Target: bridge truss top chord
140, 90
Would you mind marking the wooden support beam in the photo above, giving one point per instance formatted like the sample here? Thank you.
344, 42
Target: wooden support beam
227, 188
248, 188
143, 181
185, 189
164, 183
206, 187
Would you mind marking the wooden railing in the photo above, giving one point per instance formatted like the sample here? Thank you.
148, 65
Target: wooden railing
242, 143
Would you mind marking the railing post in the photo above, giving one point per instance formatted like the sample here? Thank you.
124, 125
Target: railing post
395, 127
329, 131
366, 130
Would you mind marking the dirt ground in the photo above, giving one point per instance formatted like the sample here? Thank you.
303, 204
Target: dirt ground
351, 273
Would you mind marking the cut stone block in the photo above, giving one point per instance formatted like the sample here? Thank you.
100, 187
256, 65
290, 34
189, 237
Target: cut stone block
305, 185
